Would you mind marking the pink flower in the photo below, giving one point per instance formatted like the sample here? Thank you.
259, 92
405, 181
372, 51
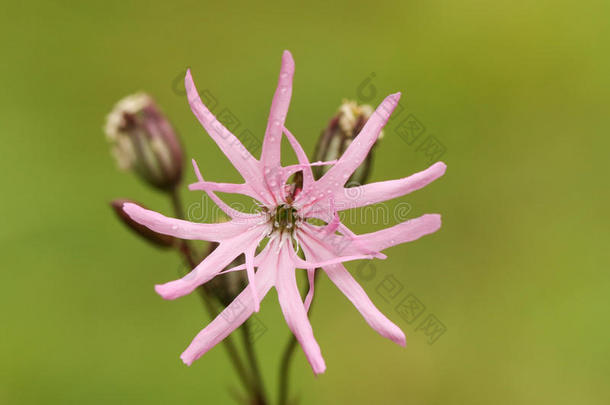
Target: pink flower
283, 220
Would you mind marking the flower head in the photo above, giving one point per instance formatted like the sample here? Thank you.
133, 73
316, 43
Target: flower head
284, 221
144, 141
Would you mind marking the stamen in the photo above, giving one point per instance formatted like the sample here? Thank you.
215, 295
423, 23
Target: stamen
284, 217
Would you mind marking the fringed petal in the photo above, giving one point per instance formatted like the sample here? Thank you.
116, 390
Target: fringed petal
232, 316
294, 310
182, 229
211, 266
373, 193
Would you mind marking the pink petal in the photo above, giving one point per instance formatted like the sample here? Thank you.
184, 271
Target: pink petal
245, 163
357, 151
334, 223
308, 178
300, 166
344, 246
233, 213
316, 250
249, 254
233, 316
303, 264
373, 193
183, 229
311, 273
260, 258
373, 243
407, 231
294, 310
270, 155
213, 264
240, 157
354, 292
232, 188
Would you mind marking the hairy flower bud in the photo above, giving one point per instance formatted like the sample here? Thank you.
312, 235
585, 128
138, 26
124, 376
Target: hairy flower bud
144, 141
142, 231
339, 134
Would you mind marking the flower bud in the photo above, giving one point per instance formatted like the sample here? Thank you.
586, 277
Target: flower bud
158, 239
339, 134
144, 141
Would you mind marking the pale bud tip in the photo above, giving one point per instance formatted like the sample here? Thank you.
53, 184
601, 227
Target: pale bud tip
143, 140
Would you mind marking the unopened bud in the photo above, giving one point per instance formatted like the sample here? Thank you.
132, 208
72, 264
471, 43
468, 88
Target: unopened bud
144, 141
156, 238
339, 134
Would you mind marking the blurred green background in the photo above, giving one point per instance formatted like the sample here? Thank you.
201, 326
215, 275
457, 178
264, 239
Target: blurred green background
518, 94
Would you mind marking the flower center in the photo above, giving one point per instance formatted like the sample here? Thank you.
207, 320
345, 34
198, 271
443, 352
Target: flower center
285, 217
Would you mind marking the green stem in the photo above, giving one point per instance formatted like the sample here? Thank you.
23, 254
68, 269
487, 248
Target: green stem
259, 388
285, 370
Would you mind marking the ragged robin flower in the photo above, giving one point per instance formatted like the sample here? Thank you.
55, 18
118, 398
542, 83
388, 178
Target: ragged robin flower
284, 224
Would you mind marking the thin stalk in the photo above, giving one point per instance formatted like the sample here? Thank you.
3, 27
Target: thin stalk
190, 257
285, 370
259, 388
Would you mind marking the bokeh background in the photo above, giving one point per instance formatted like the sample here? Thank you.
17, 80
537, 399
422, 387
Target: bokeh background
516, 92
